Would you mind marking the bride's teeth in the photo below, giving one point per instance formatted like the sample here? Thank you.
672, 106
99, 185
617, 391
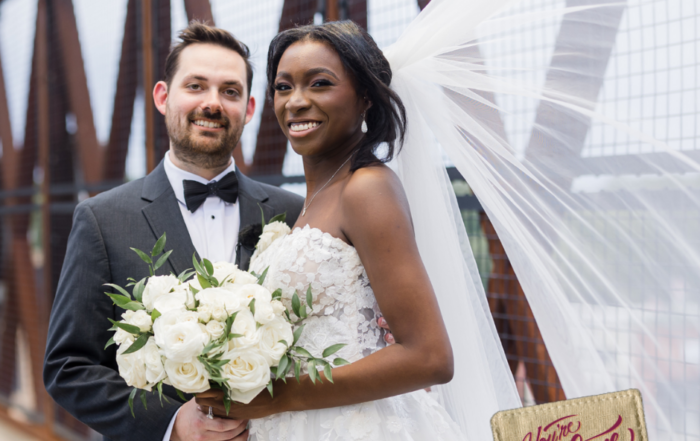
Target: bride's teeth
300, 127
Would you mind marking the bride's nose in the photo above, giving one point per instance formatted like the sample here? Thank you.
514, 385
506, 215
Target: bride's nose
297, 101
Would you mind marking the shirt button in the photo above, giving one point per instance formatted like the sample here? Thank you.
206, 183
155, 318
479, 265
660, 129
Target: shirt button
212, 216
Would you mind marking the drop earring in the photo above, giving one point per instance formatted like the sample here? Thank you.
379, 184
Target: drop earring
364, 124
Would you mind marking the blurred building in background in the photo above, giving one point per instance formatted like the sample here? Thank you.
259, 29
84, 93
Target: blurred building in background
77, 118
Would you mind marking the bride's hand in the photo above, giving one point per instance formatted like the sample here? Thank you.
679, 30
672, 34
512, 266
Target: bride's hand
388, 336
260, 407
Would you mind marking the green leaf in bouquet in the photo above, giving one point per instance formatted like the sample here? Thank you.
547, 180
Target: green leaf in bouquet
159, 388
262, 214
162, 259
137, 344
131, 401
220, 363
143, 399
330, 350
285, 342
128, 328
297, 370
327, 370
197, 267
125, 302
155, 314
297, 333
251, 306
194, 293
301, 351
120, 289
232, 336
302, 312
185, 275
181, 395
340, 361
229, 322
145, 257
321, 361
202, 281
284, 362
269, 388
277, 294
110, 342
261, 279
282, 217
158, 247
286, 313
118, 299
138, 289
227, 402
309, 298
312, 371
208, 267
296, 304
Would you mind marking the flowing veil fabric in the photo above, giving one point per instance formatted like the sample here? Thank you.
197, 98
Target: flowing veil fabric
606, 245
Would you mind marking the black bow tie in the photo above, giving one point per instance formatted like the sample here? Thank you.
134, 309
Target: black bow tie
196, 193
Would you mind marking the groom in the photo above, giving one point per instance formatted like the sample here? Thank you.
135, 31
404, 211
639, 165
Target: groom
200, 200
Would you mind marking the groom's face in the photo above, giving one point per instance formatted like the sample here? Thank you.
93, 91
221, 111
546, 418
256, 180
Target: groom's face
206, 104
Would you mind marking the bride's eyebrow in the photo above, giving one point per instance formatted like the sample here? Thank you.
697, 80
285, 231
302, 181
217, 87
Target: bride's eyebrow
310, 72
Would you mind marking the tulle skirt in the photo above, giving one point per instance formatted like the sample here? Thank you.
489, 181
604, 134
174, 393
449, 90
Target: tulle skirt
410, 417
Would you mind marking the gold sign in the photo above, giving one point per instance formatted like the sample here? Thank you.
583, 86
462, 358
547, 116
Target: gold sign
618, 416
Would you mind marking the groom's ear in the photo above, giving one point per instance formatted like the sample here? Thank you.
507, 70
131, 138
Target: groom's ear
160, 96
250, 109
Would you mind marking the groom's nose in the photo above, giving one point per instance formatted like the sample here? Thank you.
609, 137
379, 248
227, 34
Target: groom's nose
211, 101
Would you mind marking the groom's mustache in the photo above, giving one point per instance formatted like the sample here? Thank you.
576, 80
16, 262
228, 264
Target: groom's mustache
216, 117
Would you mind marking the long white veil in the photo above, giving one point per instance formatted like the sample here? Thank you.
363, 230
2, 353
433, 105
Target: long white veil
605, 244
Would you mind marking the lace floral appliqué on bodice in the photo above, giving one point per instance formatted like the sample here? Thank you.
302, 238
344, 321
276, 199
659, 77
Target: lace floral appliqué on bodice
344, 307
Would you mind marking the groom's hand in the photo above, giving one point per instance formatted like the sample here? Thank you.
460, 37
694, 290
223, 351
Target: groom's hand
193, 425
388, 336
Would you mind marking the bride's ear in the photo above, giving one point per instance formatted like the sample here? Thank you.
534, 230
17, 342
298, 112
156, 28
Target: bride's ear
368, 104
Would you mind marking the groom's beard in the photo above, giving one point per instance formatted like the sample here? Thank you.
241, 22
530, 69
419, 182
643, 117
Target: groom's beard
211, 150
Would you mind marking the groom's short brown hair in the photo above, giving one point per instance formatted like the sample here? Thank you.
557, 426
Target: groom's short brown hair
199, 32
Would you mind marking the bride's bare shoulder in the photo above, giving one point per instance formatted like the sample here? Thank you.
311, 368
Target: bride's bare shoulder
374, 189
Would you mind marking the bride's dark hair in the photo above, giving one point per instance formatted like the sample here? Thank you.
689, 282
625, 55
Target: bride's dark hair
360, 55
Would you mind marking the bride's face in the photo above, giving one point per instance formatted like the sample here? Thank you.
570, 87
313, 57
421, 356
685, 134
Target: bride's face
315, 100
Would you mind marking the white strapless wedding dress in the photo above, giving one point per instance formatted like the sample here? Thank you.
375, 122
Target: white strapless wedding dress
344, 311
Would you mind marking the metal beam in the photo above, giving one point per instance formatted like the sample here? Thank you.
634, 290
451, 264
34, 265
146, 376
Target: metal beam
78, 93
114, 162
271, 145
148, 83
199, 10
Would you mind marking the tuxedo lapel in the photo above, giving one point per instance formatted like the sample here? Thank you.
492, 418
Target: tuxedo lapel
252, 199
164, 216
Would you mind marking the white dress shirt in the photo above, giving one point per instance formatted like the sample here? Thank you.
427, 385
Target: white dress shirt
213, 227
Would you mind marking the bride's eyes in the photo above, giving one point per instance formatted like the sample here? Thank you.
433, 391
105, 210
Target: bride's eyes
321, 83
281, 87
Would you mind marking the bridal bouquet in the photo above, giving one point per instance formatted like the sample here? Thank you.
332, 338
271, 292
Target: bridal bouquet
214, 327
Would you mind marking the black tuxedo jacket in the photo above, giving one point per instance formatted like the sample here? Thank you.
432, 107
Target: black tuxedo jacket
78, 372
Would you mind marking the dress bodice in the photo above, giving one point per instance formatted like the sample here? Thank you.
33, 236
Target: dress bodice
344, 307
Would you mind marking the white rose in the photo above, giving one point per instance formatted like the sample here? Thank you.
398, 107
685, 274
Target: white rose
140, 318
225, 271
132, 368
191, 377
156, 286
178, 300
277, 307
264, 313
155, 371
271, 232
219, 314
180, 336
270, 336
215, 329
245, 325
252, 291
228, 299
121, 337
247, 374
204, 312
244, 278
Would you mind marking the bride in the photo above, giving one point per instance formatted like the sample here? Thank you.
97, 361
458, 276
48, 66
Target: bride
355, 245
